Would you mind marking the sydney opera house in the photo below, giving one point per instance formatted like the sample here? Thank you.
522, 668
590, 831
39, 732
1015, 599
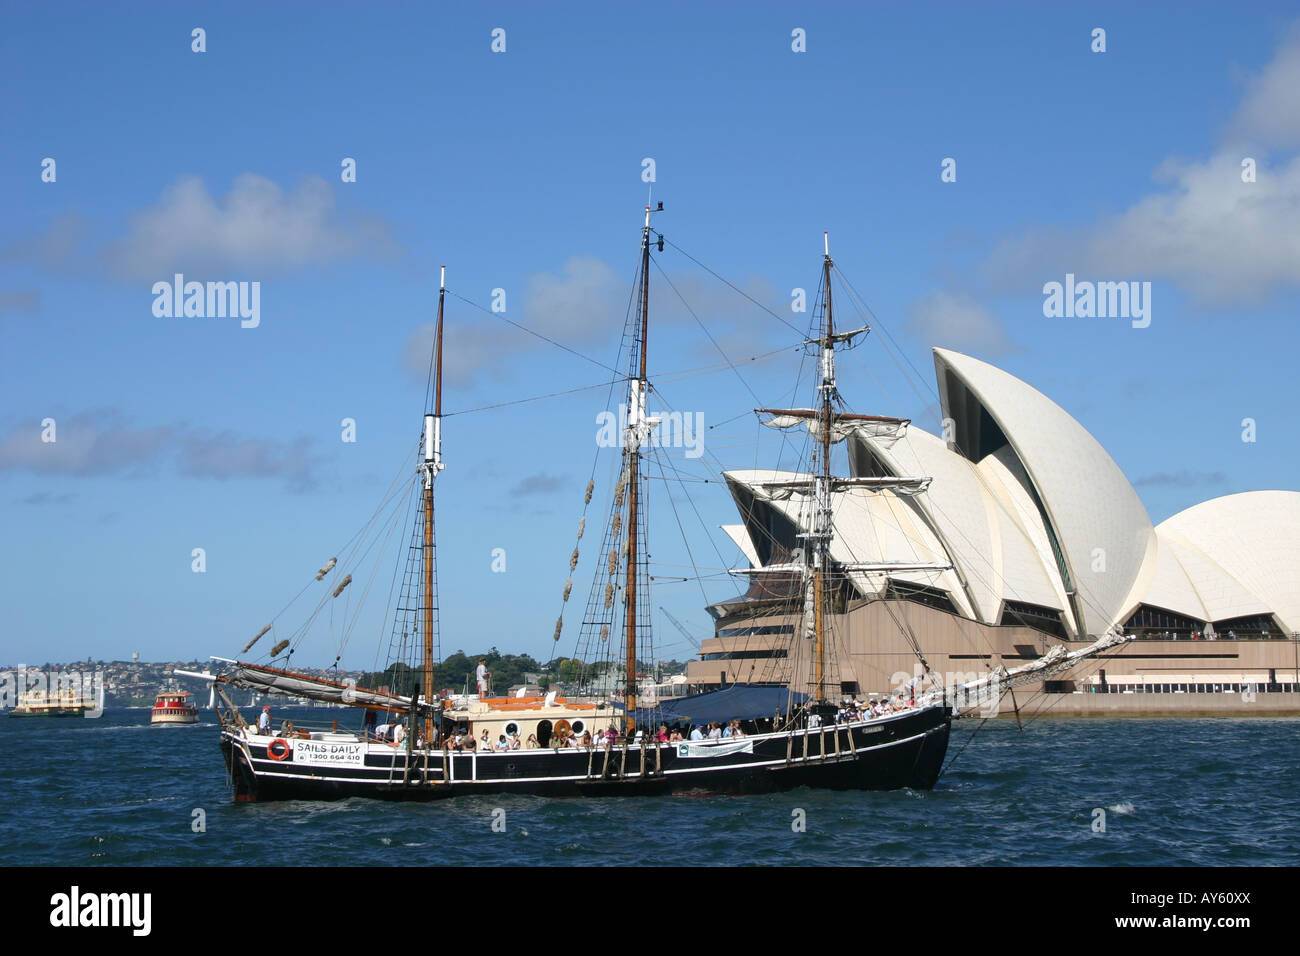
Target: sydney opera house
1025, 535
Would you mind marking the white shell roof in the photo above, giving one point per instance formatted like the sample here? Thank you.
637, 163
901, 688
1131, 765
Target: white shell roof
1240, 547
1029, 571
1099, 520
740, 537
972, 515
1234, 556
1171, 588
870, 526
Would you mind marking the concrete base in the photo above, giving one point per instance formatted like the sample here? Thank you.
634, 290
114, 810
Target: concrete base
1155, 705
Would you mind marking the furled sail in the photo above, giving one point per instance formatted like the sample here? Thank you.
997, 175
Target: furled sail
843, 424
883, 567
270, 680
781, 490
1056, 661
257, 637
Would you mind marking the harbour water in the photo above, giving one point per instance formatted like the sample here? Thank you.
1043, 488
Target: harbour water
116, 791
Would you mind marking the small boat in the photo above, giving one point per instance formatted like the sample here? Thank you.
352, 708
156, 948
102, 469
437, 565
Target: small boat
174, 707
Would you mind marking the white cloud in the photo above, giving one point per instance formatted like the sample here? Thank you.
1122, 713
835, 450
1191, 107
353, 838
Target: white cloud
90, 444
1269, 114
586, 302
257, 226
584, 307
957, 321
578, 307
1221, 239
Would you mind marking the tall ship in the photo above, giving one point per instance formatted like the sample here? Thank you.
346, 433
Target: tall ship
414, 743
174, 707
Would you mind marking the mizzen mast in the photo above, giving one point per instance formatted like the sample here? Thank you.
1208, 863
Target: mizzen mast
430, 467
822, 520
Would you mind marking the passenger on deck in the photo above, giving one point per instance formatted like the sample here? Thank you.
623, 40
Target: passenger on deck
532, 742
264, 722
469, 743
586, 738
697, 733
675, 736
399, 734
662, 735
514, 740
502, 743
715, 731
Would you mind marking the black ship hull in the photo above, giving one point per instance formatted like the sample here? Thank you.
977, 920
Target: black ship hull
905, 750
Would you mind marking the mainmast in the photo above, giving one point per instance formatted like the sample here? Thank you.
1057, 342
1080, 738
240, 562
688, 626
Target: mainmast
431, 466
821, 533
637, 428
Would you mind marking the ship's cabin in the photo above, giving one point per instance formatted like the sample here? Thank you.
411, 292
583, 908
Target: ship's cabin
548, 719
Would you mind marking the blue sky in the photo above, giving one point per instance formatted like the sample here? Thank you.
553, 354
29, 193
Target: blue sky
522, 170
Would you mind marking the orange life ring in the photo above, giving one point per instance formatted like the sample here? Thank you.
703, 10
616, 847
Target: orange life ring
284, 754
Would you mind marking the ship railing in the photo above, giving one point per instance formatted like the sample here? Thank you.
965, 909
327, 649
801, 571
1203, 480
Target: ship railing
312, 731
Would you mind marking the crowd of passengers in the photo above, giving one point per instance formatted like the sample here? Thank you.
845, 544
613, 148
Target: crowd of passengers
851, 710
564, 739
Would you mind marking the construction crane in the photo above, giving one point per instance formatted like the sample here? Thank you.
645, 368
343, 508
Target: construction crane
695, 641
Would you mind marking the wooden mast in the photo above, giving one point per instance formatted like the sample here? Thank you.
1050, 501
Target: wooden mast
823, 499
432, 465
636, 415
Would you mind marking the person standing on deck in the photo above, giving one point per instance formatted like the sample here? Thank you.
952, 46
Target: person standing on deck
264, 722
481, 676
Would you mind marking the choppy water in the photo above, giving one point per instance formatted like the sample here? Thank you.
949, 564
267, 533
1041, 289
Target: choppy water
116, 791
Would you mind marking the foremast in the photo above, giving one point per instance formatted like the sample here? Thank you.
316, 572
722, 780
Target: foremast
429, 469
